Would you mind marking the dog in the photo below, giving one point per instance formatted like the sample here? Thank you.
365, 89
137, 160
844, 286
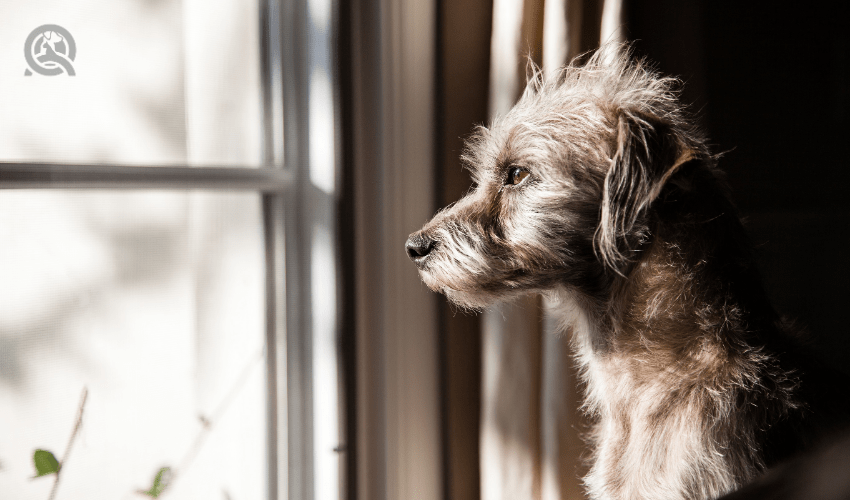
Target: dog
598, 190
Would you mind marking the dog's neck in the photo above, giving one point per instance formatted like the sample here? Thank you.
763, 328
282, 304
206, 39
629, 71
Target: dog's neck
693, 289
664, 319
671, 315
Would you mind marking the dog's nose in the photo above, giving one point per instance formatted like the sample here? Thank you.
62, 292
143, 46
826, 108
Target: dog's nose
418, 247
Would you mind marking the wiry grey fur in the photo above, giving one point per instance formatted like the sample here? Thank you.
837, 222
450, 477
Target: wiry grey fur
624, 218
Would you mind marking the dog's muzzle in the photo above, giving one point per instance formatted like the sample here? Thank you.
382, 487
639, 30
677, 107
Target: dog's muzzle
419, 247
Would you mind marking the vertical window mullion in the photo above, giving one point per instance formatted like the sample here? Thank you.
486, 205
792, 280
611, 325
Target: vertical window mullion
276, 362
298, 219
311, 253
281, 308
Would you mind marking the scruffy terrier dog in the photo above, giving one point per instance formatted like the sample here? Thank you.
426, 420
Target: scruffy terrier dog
597, 190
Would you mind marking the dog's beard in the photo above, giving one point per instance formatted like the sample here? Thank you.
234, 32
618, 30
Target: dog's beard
474, 299
473, 276
462, 283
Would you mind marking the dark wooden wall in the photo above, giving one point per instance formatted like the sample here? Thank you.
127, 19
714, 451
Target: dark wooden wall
771, 84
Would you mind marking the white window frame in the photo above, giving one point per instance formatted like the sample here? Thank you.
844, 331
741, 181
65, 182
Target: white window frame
290, 207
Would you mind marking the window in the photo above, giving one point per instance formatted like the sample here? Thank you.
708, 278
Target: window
167, 249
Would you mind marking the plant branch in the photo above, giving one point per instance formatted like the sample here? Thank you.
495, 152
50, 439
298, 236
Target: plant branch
208, 422
73, 437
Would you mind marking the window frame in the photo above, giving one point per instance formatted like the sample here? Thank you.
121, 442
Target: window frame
289, 205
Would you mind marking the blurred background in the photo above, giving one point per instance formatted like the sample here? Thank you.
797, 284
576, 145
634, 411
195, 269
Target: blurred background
151, 301
202, 231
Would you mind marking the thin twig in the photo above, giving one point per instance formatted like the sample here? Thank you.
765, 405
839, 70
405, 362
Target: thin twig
70, 442
208, 423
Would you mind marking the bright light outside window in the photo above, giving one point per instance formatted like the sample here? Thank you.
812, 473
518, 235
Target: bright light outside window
153, 302
139, 313
168, 82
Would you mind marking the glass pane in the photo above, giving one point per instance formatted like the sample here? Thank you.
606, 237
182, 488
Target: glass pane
152, 302
154, 82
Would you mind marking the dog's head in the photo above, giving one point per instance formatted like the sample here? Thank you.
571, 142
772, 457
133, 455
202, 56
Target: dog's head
562, 185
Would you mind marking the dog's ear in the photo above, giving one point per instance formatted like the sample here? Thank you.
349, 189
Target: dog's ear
647, 154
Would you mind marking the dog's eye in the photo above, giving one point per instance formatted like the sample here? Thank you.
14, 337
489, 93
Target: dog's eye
517, 175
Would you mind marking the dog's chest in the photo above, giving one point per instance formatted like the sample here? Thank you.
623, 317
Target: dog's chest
650, 441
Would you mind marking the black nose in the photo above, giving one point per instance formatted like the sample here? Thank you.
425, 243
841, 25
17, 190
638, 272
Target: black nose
418, 247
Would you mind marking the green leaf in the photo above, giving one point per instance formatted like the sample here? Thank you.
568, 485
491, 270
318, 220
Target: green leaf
160, 482
45, 463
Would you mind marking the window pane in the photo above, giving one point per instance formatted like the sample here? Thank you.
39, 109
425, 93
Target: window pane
164, 82
153, 301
